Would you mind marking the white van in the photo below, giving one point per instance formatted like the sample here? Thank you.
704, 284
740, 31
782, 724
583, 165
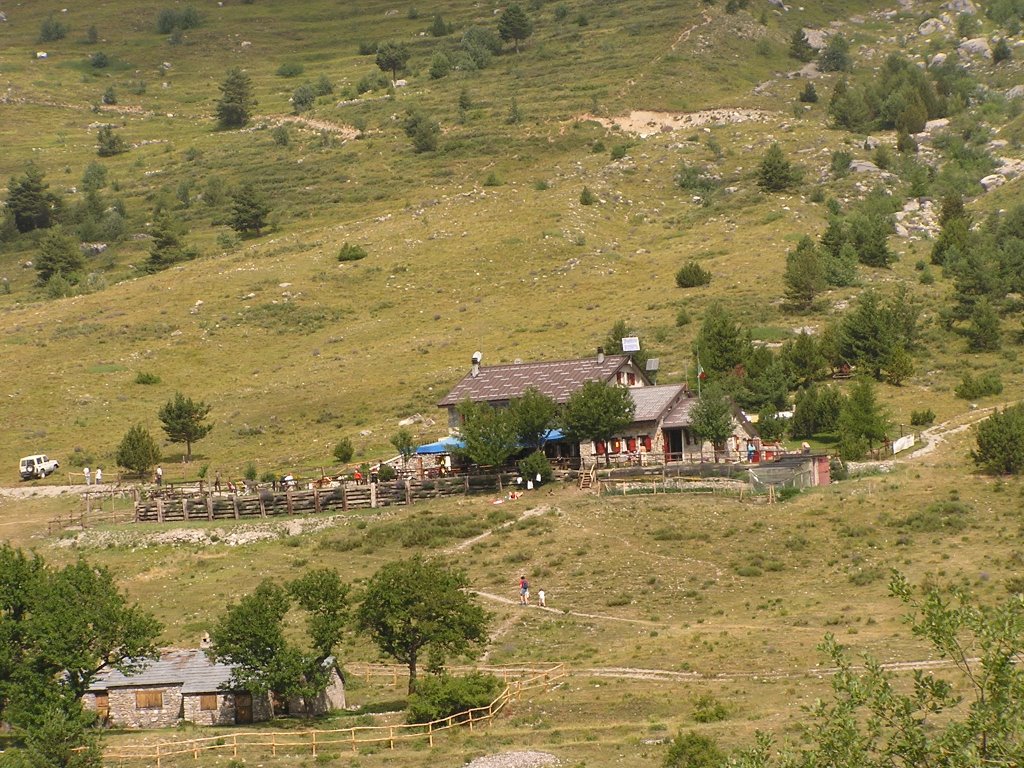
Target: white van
36, 466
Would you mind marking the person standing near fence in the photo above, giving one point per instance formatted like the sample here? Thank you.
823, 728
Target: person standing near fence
99, 475
85, 472
159, 475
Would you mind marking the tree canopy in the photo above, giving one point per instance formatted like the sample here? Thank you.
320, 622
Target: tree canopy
489, 434
533, 416
414, 607
392, 57
30, 201
184, 421
249, 209
138, 451
251, 635
514, 25
1000, 441
597, 411
712, 417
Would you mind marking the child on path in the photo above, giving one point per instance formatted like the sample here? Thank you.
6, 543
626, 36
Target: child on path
540, 598
99, 475
524, 591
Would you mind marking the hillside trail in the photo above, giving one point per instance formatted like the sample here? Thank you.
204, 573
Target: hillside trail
683, 36
347, 132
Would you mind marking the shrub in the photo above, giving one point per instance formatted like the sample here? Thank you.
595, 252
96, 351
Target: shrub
250, 472
1000, 440
940, 517
985, 384
587, 197
367, 47
691, 750
683, 317
170, 20
303, 97
343, 450
350, 252
692, 275
109, 95
52, 29
290, 69
439, 696
323, 86
708, 709
536, 464
146, 378
109, 142
922, 418
138, 450
386, 473
809, 95
840, 164
1001, 51
99, 60
619, 151
280, 135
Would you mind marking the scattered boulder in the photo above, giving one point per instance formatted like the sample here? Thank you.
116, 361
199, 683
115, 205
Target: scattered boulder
937, 60
816, 38
864, 166
961, 6
93, 249
992, 181
930, 27
408, 421
1017, 92
977, 47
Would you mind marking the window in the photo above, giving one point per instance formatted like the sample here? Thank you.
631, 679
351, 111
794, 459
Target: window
208, 702
631, 379
149, 699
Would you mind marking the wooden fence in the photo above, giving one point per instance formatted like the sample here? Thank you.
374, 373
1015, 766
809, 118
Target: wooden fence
183, 505
264, 744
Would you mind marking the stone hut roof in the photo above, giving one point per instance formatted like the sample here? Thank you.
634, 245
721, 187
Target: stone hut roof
652, 402
190, 668
558, 379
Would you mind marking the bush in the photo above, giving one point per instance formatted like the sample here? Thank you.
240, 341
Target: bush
922, 418
343, 450
280, 135
940, 517
110, 143
367, 47
138, 450
290, 69
809, 95
691, 750
972, 387
250, 472
170, 20
99, 60
692, 275
386, 473
708, 709
350, 252
536, 464
51, 29
619, 151
587, 197
109, 95
440, 696
146, 378
303, 98
683, 317
1001, 442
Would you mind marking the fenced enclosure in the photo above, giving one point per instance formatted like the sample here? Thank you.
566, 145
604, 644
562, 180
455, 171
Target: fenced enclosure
255, 744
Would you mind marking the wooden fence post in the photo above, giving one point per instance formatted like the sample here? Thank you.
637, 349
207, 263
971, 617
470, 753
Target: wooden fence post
234, 503
391, 736
273, 744
234, 745
430, 733
158, 754
314, 743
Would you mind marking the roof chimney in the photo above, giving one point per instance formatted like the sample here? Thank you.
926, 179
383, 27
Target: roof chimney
204, 641
474, 369
600, 355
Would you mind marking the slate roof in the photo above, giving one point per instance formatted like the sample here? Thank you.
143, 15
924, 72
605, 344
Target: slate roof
557, 379
679, 416
191, 669
652, 402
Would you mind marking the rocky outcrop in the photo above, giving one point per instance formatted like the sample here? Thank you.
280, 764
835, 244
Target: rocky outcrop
976, 47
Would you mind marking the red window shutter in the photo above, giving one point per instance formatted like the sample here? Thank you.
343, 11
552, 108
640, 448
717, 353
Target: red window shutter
599, 447
647, 442
631, 443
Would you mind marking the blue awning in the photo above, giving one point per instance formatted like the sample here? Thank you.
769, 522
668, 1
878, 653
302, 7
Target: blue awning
554, 435
444, 445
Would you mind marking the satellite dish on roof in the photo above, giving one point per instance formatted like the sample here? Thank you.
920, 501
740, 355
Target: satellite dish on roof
631, 344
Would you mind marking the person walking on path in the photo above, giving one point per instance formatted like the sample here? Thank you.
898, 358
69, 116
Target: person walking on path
524, 591
540, 599
159, 476
85, 471
99, 475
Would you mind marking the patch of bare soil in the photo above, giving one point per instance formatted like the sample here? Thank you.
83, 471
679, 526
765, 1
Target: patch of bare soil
644, 123
347, 132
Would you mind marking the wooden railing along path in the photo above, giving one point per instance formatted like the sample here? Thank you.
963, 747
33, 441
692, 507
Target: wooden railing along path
263, 744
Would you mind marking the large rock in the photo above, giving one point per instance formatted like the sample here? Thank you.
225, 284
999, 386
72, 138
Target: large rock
937, 60
816, 38
961, 6
977, 47
1017, 92
930, 27
991, 182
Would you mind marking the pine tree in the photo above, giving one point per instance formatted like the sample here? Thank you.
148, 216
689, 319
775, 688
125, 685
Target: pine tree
392, 57
862, 420
30, 202
59, 254
167, 247
184, 421
110, 143
236, 102
138, 450
799, 46
514, 25
249, 209
804, 276
776, 173
983, 333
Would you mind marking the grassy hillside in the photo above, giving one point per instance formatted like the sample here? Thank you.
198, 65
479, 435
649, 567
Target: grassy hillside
480, 245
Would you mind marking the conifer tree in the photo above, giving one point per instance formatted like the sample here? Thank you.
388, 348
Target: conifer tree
236, 102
